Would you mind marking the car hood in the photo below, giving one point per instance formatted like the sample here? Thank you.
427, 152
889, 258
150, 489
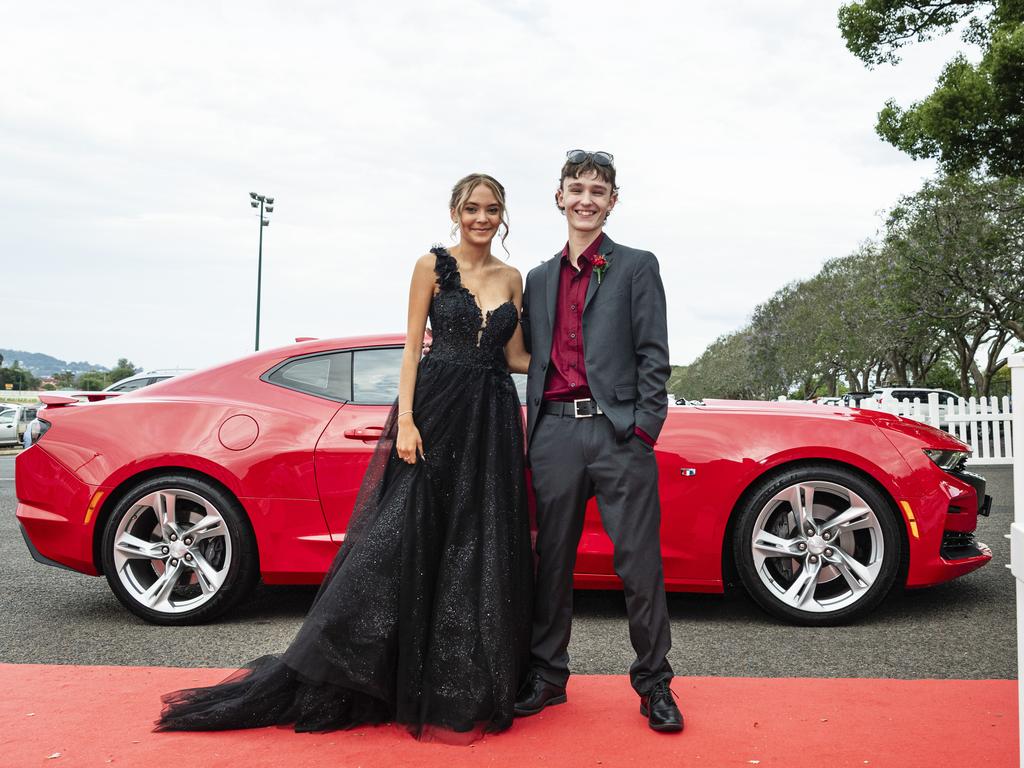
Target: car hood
923, 433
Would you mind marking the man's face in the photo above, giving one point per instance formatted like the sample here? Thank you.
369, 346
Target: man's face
587, 201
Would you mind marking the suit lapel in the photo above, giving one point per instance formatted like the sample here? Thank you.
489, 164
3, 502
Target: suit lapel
607, 246
552, 274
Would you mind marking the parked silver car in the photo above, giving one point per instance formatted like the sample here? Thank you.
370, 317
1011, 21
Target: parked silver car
14, 420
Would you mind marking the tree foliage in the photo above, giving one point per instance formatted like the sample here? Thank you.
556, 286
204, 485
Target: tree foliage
958, 244
122, 370
936, 302
974, 119
18, 377
89, 381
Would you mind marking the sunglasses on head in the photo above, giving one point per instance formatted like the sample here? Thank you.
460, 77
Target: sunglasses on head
580, 155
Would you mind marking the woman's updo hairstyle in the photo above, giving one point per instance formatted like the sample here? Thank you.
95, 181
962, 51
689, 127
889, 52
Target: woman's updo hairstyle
464, 188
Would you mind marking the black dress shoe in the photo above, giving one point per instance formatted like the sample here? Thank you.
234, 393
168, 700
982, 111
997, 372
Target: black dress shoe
536, 694
660, 710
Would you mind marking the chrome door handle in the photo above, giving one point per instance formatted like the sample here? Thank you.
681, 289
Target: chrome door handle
364, 433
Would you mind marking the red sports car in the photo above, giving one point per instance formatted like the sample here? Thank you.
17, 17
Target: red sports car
185, 493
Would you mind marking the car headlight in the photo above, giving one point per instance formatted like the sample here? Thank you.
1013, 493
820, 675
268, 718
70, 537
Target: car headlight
947, 460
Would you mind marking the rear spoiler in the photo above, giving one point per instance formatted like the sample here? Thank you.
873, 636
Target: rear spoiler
59, 401
93, 397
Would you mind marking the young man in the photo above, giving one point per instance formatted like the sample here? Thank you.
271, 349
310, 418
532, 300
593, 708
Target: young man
594, 321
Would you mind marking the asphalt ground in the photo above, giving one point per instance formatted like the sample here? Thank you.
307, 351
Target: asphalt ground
964, 629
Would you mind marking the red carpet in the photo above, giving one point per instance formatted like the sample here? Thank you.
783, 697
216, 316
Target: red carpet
97, 716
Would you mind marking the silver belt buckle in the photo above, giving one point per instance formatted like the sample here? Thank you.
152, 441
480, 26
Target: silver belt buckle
576, 408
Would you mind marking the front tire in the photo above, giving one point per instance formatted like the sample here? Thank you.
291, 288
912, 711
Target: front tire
178, 549
817, 545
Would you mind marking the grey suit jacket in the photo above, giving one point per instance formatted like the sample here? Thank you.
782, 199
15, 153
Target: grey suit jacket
625, 338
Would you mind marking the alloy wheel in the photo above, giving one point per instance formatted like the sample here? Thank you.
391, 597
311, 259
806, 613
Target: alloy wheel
817, 546
172, 550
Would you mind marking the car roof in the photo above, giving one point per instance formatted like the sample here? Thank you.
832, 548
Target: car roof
260, 361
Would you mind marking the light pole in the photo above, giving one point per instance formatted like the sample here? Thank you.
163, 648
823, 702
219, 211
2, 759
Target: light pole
266, 206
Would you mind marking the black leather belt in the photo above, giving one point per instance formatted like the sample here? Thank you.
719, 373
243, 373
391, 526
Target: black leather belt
577, 409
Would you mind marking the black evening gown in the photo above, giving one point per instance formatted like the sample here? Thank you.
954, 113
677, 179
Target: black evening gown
424, 617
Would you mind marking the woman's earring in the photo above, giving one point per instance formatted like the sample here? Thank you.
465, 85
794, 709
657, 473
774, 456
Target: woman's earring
455, 228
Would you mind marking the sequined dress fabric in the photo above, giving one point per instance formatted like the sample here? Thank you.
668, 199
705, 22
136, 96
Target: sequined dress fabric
424, 617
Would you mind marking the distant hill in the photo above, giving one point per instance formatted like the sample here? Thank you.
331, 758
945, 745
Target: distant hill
44, 365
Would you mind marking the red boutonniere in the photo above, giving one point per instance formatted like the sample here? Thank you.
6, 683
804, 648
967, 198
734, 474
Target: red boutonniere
600, 265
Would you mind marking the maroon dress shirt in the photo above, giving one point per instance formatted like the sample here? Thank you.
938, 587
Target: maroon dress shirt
567, 373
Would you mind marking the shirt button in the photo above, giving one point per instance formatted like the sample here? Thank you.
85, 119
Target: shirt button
572, 335
573, 307
572, 383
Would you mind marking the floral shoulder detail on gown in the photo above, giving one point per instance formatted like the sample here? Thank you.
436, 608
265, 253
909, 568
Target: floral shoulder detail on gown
446, 268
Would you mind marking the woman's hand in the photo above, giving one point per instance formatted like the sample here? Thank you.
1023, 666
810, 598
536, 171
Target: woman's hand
409, 443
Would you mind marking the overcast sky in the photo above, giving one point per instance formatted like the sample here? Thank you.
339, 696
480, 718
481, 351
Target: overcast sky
132, 132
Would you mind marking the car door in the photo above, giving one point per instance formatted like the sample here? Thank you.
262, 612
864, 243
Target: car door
344, 449
681, 457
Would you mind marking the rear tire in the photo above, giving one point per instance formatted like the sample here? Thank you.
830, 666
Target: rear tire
178, 549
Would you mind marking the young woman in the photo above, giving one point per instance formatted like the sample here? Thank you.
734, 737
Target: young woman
424, 617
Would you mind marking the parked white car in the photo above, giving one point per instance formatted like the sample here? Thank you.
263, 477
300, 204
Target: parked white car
140, 380
14, 420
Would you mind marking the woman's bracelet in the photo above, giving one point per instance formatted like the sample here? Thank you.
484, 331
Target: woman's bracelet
400, 415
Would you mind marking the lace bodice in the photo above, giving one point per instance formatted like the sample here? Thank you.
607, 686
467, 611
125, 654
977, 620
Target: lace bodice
462, 331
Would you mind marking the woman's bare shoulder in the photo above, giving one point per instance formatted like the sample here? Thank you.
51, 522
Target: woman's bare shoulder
508, 272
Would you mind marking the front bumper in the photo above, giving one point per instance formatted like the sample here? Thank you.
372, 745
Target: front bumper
945, 547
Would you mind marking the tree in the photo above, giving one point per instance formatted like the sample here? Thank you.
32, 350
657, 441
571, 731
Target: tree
784, 348
91, 381
974, 119
676, 381
957, 253
18, 377
122, 370
959, 244
723, 370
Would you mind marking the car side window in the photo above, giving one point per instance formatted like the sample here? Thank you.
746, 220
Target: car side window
130, 386
7, 417
328, 375
375, 375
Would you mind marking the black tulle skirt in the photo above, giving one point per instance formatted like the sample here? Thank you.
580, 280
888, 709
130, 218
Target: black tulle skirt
424, 617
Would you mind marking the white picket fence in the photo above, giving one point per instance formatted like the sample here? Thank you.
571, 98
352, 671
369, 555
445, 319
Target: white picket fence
983, 423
